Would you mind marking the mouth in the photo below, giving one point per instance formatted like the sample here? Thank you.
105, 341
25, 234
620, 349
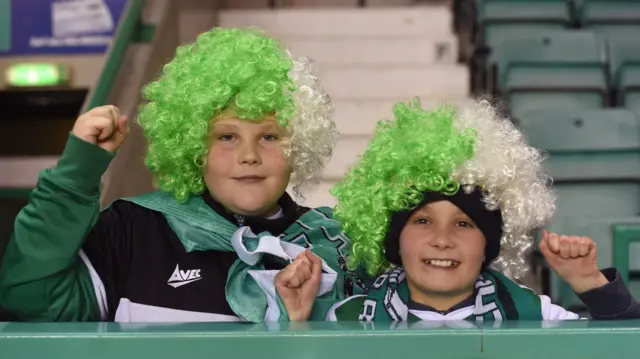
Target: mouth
441, 263
249, 179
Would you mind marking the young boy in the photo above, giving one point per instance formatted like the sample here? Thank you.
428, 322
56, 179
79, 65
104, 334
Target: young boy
229, 121
441, 207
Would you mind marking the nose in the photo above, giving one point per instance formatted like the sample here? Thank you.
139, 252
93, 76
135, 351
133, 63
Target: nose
441, 239
249, 153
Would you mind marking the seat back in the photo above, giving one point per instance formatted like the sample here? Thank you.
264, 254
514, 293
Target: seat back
538, 11
523, 102
586, 145
521, 60
608, 11
565, 66
624, 58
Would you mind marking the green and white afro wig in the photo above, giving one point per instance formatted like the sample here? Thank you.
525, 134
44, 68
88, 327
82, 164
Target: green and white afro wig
249, 75
444, 150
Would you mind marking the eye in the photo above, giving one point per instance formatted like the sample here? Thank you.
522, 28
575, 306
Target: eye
421, 220
465, 224
270, 137
226, 137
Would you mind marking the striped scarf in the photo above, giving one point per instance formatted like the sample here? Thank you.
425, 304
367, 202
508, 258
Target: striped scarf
497, 298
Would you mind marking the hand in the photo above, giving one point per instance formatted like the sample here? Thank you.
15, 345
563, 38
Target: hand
298, 284
574, 259
102, 126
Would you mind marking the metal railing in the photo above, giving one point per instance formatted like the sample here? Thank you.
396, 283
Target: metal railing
130, 30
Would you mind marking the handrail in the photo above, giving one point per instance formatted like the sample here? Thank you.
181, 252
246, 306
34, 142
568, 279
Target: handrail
578, 339
129, 30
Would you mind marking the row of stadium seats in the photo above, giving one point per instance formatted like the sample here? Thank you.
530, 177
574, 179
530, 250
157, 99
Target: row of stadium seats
594, 160
567, 69
497, 20
569, 72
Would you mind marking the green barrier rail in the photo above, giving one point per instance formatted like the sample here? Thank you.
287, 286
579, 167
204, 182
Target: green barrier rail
130, 30
450, 340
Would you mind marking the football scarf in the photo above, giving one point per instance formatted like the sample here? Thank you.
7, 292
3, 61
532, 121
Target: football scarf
250, 289
497, 298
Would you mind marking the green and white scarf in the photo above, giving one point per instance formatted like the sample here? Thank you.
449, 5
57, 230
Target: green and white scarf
200, 228
497, 298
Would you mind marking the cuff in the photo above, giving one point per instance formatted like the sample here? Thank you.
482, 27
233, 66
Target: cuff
82, 164
284, 315
610, 299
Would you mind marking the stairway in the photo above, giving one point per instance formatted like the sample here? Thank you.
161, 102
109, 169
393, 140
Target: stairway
369, 59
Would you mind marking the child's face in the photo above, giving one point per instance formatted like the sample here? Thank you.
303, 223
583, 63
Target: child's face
442, 251
246, 169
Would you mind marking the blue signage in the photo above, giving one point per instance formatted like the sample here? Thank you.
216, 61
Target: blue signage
61, 26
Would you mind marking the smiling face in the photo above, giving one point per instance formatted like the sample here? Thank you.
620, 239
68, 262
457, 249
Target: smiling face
442, 251
246, 170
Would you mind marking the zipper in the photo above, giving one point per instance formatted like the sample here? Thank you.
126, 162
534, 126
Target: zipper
239, 219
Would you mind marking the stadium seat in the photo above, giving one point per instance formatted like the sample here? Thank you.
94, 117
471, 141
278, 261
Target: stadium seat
594, 160
614, 19
586, 145
494, 17
556, 69
624, 57
497, 20
590, 12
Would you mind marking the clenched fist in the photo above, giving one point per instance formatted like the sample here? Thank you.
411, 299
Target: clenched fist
298, 285
103, 126
574, 258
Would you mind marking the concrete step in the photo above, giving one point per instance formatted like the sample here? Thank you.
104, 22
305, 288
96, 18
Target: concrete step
385, 82
398, 51
360, 117
318, 196
288, 24
23, 171
347, 151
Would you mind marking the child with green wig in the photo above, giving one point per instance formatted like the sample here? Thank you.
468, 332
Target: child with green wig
232, 118
442, 207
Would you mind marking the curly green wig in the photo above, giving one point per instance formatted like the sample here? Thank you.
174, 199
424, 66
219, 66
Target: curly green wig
415, 153
237, 71
445, 150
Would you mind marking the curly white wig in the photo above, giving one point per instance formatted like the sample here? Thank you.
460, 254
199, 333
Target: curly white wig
511, 175
313, 132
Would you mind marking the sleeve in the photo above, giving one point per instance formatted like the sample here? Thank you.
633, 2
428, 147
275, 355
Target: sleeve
552, 311
44, 275
612, 301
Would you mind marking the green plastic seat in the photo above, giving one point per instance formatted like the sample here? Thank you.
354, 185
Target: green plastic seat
522, 102
497, 20
586, 145
624, 60
624, 54
616, 31
570, 66
607, 11
522, 10
594, 160
617, 20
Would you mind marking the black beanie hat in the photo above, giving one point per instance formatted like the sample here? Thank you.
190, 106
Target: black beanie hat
489, 223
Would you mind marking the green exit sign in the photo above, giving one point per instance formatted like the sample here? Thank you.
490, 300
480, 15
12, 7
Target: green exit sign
37, 74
